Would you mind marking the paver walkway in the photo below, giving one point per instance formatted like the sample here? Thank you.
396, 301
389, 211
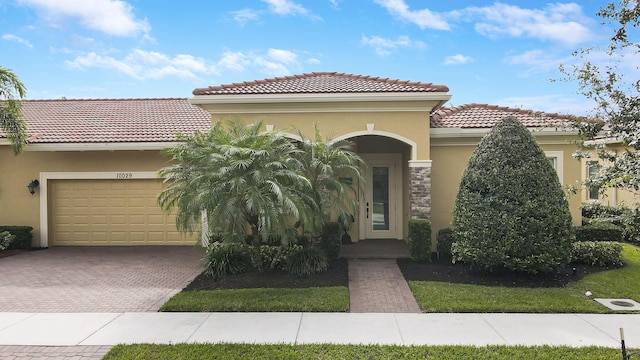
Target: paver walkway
377, 285
11, 352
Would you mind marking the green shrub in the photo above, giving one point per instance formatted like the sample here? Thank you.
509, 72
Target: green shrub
6, 239
599, 232
631, 225
273, 257
597, 253
224, 258
511, 212
444, 240
331, 240
306, 261
420, 240
594, 210
23, 236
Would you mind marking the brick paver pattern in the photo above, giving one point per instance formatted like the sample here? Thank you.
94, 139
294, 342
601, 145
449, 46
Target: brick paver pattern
53, 352
90, 279
377, 286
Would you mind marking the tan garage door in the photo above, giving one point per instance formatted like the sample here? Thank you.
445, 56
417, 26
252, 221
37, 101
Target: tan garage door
110, 213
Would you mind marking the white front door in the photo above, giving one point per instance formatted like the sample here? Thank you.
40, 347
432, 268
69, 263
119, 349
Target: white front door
381, 210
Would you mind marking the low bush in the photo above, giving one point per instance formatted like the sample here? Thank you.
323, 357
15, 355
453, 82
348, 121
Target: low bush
273, 257
591, 211
331, 240
597, 253
224, 258
444, 240
6, 239
420, 240
306, 261
23, 236
599, 232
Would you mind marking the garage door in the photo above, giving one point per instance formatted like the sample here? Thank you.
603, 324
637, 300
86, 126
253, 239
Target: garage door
110, 213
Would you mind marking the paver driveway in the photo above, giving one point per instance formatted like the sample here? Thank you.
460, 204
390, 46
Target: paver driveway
95, 279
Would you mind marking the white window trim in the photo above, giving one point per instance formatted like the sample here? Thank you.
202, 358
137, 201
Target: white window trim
559, 156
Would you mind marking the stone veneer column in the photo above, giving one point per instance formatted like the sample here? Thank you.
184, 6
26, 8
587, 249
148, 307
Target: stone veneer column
420, 189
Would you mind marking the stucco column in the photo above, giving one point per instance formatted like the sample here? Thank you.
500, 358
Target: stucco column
420, 189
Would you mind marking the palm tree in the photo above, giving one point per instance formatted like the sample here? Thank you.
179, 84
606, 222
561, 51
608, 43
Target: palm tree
242, 178
334, 173
12, 91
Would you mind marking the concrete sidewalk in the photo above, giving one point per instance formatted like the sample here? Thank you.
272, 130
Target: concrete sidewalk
105, 329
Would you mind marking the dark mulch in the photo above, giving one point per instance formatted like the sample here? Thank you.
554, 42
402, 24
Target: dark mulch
336, 275
441, 269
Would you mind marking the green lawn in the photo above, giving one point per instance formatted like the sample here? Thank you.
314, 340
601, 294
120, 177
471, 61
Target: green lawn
317, 299
318, 352
618, 283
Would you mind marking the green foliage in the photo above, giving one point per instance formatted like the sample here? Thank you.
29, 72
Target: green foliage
355, 352
306, 261
598, 232
616, 93
23, 236
12, 91
6, 239
419, 240
444, 240
227, 258
592, 211
331, 240
510, 211
597, 253
622, 217
273, 257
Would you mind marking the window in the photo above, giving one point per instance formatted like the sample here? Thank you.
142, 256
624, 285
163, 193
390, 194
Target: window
592, 171
556, 161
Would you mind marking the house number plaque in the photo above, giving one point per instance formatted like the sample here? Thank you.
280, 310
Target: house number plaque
124, 175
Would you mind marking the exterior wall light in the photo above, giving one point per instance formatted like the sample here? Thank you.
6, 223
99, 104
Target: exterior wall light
33, 185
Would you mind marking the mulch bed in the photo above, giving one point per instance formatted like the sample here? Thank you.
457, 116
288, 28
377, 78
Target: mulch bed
7, 253
441, 269
336, 275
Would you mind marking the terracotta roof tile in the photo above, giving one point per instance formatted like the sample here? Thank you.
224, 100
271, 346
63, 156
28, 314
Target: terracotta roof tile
486, 116
321, 82
112, 120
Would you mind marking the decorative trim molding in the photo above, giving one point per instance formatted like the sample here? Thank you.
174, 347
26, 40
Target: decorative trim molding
413, 144
420, 163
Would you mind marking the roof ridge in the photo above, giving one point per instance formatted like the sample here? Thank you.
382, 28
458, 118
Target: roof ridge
105, 99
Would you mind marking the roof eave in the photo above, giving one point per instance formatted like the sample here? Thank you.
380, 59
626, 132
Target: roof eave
124, 146
436, 133
440, 97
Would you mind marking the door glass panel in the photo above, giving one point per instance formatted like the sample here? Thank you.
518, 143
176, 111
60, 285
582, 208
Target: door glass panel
380, 185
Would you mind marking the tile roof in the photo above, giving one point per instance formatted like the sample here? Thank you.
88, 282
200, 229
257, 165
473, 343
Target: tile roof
111, 120
486, 116
320, 82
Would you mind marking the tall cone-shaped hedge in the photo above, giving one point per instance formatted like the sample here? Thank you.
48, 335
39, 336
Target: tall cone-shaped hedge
511, 212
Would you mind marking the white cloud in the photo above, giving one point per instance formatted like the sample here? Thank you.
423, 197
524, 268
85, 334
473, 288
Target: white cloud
424, 19
19, 40
276, 62
288, 7
244, 16
112, 17
457, 59
141, 64
384, 46
537, 61
314, 61
564, 23
560, 104
283, 56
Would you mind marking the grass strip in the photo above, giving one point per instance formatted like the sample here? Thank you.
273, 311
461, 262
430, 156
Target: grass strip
435, 296
325, 351
316, 299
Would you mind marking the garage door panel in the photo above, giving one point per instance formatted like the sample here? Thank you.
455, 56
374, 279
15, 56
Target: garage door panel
110, 212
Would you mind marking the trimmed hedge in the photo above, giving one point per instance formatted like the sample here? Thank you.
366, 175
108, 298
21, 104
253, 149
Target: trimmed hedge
420, 240
331, 240
599, 232
23, 236
597, 253
444, 240
511, 212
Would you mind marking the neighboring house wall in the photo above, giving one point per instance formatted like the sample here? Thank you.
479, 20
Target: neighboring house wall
21, 208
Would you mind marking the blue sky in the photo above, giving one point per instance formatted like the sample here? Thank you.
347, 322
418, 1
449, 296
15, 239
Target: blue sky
501, 53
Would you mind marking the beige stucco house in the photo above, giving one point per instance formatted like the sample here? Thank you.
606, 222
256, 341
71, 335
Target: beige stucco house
96, 161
